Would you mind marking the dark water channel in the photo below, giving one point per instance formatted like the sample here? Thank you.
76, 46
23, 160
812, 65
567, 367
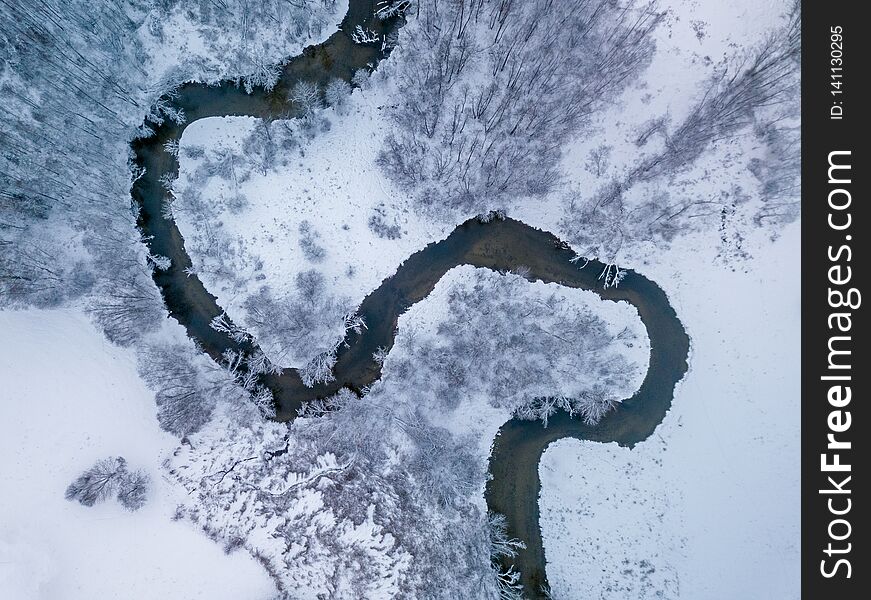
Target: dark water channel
499, 245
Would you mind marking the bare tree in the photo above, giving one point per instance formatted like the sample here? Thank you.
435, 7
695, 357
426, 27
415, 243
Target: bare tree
598, 160
127, 308
110, 476
337, 93
185, 402
762, 84
491, 90
97, 483
503, 547
306, 97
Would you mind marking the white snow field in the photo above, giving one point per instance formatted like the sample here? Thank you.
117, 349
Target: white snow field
708, 507
68, 398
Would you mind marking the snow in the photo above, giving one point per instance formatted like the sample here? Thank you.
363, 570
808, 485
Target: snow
290, 509
607, 525
478, 414
178, 47
678, 71
718, 483
284, 509
335, 184
68, 398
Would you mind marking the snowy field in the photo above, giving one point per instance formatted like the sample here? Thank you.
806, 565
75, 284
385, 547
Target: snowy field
244, 227
691, 44
706, 508
332, 183
69, 398
709, 506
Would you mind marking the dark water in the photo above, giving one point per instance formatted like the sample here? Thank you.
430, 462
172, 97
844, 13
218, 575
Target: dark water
185, 296
498, 245
515, 485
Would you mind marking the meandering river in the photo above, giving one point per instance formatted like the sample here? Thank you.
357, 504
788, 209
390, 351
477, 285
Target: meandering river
499, 245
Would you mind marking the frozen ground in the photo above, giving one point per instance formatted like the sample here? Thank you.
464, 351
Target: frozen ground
478, 413
68, 398
711, 500
228, 44
333, 183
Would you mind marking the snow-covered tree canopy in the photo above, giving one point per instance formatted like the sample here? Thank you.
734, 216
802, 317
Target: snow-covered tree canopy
489, 91
527, 348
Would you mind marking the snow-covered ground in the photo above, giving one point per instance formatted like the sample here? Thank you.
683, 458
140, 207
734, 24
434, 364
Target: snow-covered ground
707, 508
694, 39
333, 183
68, 398
271, 503
223, 41
336, 186
480, 412
711, 500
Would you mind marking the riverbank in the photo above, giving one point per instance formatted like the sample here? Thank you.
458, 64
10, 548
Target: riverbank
498, 245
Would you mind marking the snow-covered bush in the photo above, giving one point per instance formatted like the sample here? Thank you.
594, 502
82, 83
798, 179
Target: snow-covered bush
532, 349
308, 243
336, 94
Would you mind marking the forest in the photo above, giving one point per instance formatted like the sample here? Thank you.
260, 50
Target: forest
377, 493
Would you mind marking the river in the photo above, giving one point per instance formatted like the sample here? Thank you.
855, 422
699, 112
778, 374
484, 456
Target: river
500, 245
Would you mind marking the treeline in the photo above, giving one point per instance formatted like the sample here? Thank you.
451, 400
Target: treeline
70, 97
756, 93
75, 87
489, 91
